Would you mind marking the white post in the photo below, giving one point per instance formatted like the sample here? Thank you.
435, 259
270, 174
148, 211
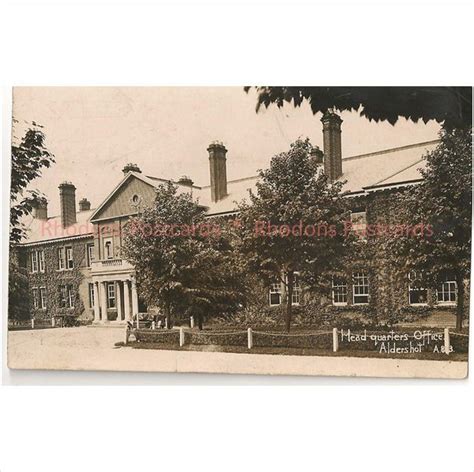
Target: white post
447, 343
191, 321
118, 294
32, 323
96, 303
127, 334
52, 321
335, 340
166, 323
126, 300
103, 301
249, 338
138, 322
181, 337
153, 325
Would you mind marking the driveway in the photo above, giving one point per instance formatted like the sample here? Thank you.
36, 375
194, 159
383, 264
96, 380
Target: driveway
93, 348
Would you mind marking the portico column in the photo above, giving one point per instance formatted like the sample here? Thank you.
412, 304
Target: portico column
119, 300
103, 301
96, 303
134, 298
126, 300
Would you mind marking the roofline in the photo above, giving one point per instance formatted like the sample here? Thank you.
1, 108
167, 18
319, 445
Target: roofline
406, 183
386, 151
55, 240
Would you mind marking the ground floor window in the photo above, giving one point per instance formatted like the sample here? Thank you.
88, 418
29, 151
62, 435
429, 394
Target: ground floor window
447, 290
111, 295
34, 292
91, 296
275, 294
417, 293
42, 300
66, 296
296, 296
360, 288
339, 291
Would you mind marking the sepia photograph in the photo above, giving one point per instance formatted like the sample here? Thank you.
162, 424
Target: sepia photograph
274, 230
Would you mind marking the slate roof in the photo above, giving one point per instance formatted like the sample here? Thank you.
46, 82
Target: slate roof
362, 173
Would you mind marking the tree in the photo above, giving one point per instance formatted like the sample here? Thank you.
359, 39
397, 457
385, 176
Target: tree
442, 204
29, 157
295, 221
184, 262
451, 106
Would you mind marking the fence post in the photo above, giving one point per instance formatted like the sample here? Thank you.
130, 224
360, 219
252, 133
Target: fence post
32, 323
447, 343
335, 340
249, 338
191, 321
152, 325
138, 322
127, 335
181, 336
53, 323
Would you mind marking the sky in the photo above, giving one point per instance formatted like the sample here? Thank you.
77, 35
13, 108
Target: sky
94, 131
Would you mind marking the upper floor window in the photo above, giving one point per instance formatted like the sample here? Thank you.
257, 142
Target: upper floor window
339, 291
69, 258
111, 295
89, 253
359, 223
360, 288
65, 258
108, 248
447, 290
34, 261
41, 261
417, 292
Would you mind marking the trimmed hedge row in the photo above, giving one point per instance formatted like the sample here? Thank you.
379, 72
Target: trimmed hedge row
304, 341
161, 336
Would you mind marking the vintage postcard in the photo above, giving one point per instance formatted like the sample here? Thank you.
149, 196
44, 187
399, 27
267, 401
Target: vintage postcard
259, 230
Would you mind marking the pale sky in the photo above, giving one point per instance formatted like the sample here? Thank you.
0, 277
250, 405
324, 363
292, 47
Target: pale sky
94, 132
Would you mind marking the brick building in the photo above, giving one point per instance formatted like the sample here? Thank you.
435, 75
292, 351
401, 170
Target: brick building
74, 259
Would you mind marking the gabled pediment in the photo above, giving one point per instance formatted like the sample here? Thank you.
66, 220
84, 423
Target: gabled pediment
131, 193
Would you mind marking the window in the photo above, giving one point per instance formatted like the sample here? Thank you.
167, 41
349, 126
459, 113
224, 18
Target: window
34, 261
359, 223
91, 296
42, 292
89, 253
296, 296
108, 249
69, 259
360, 288
275, 294
417, 294
111, 295
339, 291
66, 296
34, 292
61, 258
41, 261
447, 290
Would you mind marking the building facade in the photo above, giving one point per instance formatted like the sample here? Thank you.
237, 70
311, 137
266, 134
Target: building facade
75, 267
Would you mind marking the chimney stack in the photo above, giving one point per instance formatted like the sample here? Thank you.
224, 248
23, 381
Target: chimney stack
67, 197
217, 165
40, 209
131, 168
332, 145
84, 204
